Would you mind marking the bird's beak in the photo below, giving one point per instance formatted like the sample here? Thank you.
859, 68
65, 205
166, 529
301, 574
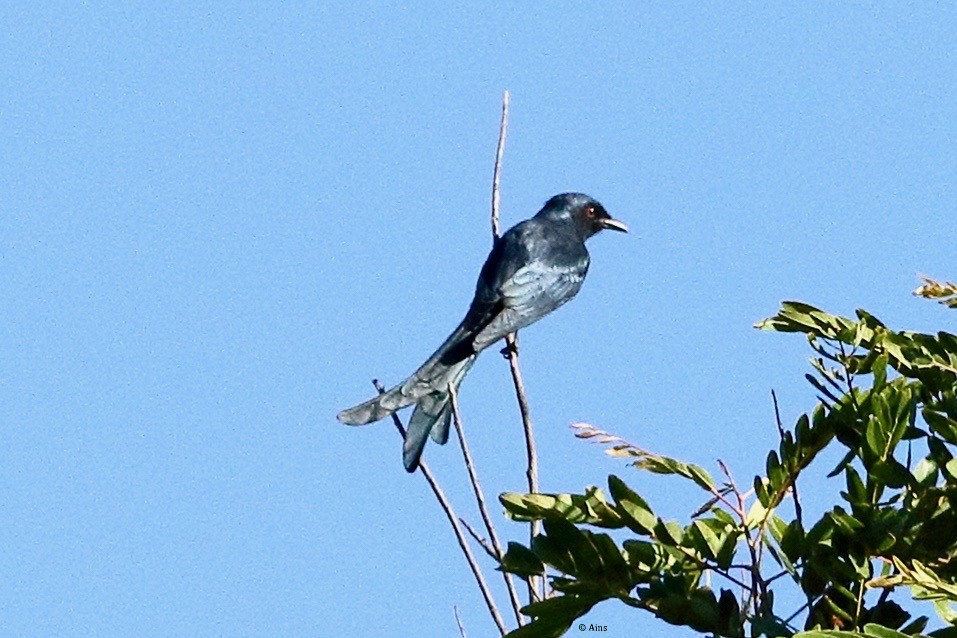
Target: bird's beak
613, 224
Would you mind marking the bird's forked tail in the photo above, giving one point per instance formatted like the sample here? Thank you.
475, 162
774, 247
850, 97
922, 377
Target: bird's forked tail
432, 416
428, 389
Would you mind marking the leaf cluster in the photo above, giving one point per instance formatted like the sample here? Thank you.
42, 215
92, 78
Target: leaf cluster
888, 400
945, 292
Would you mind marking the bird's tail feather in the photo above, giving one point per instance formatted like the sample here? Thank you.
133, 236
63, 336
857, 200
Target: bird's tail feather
432, 417
432, 376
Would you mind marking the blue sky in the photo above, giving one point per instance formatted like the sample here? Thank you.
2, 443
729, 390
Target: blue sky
218, 223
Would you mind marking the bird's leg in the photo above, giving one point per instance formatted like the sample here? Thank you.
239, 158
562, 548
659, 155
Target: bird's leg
511, 347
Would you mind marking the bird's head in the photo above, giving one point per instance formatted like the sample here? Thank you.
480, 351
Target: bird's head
584, 212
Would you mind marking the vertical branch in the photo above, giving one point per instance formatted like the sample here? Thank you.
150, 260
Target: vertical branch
456, 527
758, 585
531, 470
535, 583
798, 513
458, 621
859, 603
480, 499
497, 174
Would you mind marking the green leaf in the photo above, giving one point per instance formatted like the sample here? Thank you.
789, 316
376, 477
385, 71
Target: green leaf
926, 472
856, 492
939, 452
576, 544
885, 543
882, 413
761, 490
554, 616
847, 524
820, 387
821, 531
783, 560
770, 627
879, 370
915, 626
710, 543
589, 508
777, 526
951, 467
633, 509
612, 570
792, 544
698, 610
641, 554
667, 465
546, 627
871, 629
554, 549
875, 436
941, 424
728, 549
756, 515
844, 463
520, 560
946, 611
668, 532
584, 555
794, 316
891, 473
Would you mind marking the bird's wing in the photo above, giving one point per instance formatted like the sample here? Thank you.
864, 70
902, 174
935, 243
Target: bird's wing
533, 291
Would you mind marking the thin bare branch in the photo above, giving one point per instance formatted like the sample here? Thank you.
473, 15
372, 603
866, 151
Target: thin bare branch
704, 565
739, 507
798, 513
496, 548
531, 471
536, 585
777, 414
753, 543
497, 174
456, 527
810, 602
483, 542
458, 621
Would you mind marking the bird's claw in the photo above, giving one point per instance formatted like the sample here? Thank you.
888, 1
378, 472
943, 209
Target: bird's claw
511, 348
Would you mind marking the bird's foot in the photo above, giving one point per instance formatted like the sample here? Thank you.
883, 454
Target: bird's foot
511, 348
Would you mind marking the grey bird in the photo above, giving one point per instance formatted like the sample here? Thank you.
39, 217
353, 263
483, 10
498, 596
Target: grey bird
535, 267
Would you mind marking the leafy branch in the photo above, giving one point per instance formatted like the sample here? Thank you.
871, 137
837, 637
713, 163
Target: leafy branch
944, 292
888, 399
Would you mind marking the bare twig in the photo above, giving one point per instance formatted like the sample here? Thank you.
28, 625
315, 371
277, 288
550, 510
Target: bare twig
536, 585
798, 513
849, 378
480, 499
497, 175
810, 602
740, 509
704, 565
859, 604
454, 520
777, 414
754, 544
458, 621
532, 471
483, 542
737, 508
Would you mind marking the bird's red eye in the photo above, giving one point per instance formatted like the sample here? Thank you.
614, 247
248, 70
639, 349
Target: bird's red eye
590, 211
